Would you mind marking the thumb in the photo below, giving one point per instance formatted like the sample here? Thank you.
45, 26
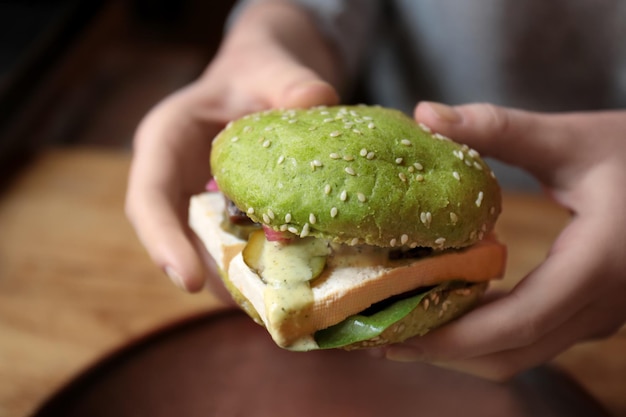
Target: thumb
287, 83
535, 142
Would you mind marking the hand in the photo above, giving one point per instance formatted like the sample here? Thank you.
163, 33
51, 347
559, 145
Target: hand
252, 71
578, 292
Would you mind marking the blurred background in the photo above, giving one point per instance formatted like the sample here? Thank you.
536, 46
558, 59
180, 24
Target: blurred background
75, 284
86, 71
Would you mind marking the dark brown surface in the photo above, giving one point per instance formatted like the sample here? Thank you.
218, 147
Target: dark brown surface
225, 365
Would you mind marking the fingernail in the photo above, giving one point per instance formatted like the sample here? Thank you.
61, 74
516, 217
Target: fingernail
175, 278
404, 354
446, 113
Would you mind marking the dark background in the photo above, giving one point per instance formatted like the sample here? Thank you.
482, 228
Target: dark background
84, 72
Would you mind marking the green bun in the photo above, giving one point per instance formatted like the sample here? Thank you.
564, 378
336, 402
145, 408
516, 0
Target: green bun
354, 175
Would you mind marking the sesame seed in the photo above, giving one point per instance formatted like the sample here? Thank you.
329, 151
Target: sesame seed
426, 303
454, 218
440, 136
312, 218
234, 139
368, 118
392, 242
478, 166
456, 175
250, 210
348, 158
288, 218
419, 178
247, 129
266, 218
458, 154
333, 212
473, 153
425, 128
363, 152
492, 210
404, 239
305, 230
418, 166
327, 189
479, 199
426, 218
229, 125
357, 131
371, 125
283, 227
292, 121
312, 128
493, 175
328, 120
406, 142
293, 230
355, 241
349, 171
353, 113
468, 162
348, 125
343, 196
267, 144
361, 197
370, 155
399, 161
281, 159
411, 169
484, 227
440, 241
334, 134
317, 163
334, 156
271, 214
402, 177
324, 112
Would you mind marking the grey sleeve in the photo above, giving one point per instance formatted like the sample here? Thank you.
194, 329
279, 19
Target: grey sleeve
347, 24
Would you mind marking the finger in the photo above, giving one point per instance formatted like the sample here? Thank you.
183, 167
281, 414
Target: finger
536, 142
590, 323
285, 82
169, 149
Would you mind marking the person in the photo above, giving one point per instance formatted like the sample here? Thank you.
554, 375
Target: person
300, 53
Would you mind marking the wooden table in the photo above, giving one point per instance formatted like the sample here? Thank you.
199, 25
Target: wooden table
75, 283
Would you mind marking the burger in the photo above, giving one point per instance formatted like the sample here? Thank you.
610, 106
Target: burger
348, 226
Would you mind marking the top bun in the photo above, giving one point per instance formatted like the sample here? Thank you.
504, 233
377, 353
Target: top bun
354, 175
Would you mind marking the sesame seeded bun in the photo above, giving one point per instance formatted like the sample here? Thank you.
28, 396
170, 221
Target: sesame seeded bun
356, 175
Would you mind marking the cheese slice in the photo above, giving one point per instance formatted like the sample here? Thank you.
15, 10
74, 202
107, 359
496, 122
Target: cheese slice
344, 288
